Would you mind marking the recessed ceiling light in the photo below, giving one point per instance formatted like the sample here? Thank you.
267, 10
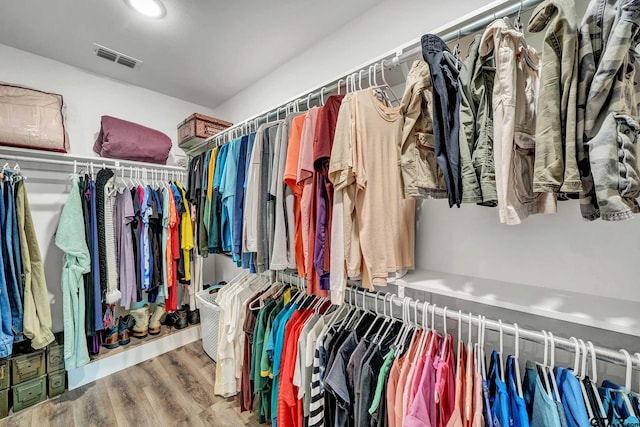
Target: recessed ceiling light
150, 8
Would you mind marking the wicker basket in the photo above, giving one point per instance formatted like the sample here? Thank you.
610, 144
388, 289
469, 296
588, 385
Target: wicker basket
209, 320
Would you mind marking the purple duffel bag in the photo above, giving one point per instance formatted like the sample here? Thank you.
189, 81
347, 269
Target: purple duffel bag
120, 139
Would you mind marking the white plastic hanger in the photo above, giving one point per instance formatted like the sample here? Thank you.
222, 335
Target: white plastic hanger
627, 383
322, 95
360, 79
500, 350
516, 361
340, 86
459, 356
443, 353
309, 101
551, 368
580, 372
638, 356
544, 365
387, 84
594, 379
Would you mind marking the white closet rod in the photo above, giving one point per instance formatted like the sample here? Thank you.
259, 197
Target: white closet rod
481, 18
602, 353
22, 155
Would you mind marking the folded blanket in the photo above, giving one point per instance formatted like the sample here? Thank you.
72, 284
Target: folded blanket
120, 139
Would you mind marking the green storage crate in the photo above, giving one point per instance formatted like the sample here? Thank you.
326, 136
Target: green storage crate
55, 358
4, 373
28, 366
57, 383
4, 403
29, 393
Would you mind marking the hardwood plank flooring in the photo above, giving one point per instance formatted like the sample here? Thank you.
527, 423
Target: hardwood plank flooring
175, 389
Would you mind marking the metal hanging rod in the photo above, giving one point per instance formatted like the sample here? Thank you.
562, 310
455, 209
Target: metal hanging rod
43, 157
602, 353
457, 29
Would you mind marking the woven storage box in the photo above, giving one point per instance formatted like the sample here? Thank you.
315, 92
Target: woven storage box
198, 127
209, 321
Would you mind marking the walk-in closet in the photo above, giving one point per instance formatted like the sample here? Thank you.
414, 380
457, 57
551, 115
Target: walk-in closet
389, 213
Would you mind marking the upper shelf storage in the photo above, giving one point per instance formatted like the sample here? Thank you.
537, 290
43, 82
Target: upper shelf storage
600, 312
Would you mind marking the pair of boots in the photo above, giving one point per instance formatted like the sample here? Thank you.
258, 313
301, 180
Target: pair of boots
179, 319
119, 334
145, 324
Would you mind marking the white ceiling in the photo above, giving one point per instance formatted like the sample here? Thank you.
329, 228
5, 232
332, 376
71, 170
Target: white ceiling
203, 51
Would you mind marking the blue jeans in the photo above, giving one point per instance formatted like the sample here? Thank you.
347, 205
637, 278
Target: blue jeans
446, 117
6, 332
12, 260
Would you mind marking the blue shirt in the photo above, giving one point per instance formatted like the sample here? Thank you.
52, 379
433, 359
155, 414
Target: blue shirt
571, 397
228, 191
543, 410
277, 356
498, 393
238, 204
517, 406
220, 164
145, 259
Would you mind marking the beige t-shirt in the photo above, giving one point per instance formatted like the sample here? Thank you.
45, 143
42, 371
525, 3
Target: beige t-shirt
365, 166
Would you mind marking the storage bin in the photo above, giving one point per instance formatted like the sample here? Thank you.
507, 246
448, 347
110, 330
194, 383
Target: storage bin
198, 127
28, 366
57, 383
5, 373
4, 403
29, 393
55, 358
209, 319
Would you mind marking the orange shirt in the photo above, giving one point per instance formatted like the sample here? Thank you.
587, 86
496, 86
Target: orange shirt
291, 179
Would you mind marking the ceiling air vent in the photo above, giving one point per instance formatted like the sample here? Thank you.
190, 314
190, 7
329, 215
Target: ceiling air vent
115, 56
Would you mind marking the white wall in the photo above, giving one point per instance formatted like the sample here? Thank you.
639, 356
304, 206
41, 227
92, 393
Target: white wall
87, 97
383, 28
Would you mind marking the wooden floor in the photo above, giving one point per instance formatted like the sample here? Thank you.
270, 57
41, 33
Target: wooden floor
175, 389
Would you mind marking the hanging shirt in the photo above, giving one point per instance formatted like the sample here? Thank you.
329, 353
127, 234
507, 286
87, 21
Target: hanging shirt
238, 200
366, 168
517, 405
282, 255
227, 190
500, 408
127, 269
291, 179
186, 234
543, 411
571, 397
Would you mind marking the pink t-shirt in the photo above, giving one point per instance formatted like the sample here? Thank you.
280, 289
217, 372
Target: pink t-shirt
445, 396
423, 407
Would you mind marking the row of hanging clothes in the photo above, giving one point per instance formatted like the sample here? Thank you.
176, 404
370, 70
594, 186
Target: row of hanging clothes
331, 191
298, 361
128, 243
25, 315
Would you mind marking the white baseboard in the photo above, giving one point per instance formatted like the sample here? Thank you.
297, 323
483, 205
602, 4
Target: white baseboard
124, 359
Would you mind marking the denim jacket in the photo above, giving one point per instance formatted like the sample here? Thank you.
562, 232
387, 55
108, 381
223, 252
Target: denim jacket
608, 95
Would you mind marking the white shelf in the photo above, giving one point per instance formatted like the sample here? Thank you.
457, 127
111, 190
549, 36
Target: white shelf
596, 311
124, 357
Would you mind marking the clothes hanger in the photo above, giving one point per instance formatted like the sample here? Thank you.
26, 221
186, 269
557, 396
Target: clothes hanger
626, 390
579, 368
517, 23
443, 352
543, 366
500, 350
516, 361
459, 355
387, 84
594, 379
551, 368
424, 325
456, 48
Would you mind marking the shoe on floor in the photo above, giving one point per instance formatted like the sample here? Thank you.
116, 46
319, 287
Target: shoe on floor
194, 317
155, 323
111, 340
124, 334
141, 318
